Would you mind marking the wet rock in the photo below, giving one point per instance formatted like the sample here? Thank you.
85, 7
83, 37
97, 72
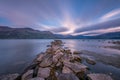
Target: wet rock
90, 61
27, 75
9, 77
48, 45
76, 58
39, 58
66, 70
57, 56
49, 51
57, 42
68, 51
37, 78
99, 77
52, 75
67, 76
76, 52
59, 64
55, 47
46, 61
66, 57
43, 72
76, 67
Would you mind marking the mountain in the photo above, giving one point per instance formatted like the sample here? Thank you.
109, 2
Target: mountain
111, 35
24, 33
28, 33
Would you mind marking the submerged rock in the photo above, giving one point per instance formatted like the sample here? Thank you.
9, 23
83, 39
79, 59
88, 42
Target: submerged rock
9, 76
67, 76
76, 52
27, 75
90, 61
99, 77
43, 72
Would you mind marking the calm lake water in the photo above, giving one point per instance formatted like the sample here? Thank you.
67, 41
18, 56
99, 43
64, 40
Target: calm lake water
15, 55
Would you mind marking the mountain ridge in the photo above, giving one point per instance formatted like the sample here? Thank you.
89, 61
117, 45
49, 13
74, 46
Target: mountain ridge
29, 33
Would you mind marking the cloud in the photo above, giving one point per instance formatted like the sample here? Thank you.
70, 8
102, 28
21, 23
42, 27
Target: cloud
99, 31
61, 16
103, 25
110, 15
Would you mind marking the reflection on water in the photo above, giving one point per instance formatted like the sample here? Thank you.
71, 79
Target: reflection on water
15, 55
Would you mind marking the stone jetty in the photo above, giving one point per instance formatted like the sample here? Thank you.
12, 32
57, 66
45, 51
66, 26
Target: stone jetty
59, 63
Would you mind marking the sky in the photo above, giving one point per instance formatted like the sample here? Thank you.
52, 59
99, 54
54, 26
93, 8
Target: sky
67, 17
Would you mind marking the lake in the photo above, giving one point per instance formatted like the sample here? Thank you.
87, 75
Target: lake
16, 55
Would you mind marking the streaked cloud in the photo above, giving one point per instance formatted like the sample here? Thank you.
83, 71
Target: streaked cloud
99, 31
111, 14
62, 16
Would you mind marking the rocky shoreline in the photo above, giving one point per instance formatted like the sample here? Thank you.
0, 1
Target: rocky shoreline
58, 63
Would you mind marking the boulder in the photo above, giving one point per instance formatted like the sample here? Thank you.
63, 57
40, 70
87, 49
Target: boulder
67, 76
9, 77
39, 58
99, 77
46, 61
76, 52
66, 57
27, 75
55, 47
57, 42
90, 61
43, 72
37, 78
57, 56
49, 51
66, 70
76, 58
68, 51
76, 67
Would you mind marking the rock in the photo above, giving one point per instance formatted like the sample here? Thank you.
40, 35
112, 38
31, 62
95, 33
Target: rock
58, 42
76, 52
76, 67
55, 47
99, 77
48, 45
66, 57
68, 51
66, 70
27, 75
37, 78
49, 51
67, 76
76, 58
9, 77
57, 56
90, 61
46, 61
43, 72
39, 58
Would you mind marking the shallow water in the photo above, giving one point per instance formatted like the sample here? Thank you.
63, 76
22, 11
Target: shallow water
15, 55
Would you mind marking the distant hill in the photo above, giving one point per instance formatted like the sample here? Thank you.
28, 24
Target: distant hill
24, 33
112, 35
28, 33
